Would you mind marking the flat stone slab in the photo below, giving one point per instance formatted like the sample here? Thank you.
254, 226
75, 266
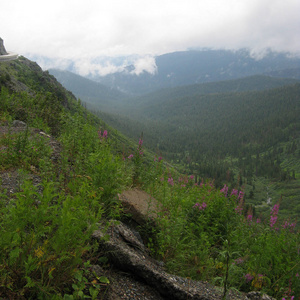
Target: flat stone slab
140, 205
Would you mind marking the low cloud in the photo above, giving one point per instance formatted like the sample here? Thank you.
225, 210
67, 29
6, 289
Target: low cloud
100, 66
105, 66
88, 67
145, 64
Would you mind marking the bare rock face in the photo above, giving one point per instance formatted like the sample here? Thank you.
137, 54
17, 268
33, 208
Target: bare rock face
130, 255
136, 275
2, 48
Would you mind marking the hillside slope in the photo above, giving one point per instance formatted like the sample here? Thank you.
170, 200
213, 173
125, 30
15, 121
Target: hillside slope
62, 225
91, 92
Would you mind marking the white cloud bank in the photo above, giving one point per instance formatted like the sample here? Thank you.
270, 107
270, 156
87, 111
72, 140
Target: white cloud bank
81, 31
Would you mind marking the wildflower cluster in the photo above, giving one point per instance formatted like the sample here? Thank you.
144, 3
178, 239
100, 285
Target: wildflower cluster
171, 181
239, 208
102, 136
159, 159
240, 199
248, 277
140, 147
225, 190
289, 225
234, 192
274, 213
249, 218
200, 206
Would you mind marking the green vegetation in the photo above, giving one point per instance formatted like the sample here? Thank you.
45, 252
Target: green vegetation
234, 138
46, 227
206, 234
46, 248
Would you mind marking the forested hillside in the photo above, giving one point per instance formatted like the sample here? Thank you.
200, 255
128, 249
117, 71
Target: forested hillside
236, 121
94, 94
224, 136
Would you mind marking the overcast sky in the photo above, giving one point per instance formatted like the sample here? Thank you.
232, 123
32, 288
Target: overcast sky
72, 29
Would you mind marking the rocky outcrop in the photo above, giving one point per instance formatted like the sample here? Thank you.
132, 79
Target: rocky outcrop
127, 252
141, 206
2, 48
128, 255
135, 274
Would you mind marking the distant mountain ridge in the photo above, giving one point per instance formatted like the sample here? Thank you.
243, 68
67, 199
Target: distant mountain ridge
192, 67
251, 83
100, 97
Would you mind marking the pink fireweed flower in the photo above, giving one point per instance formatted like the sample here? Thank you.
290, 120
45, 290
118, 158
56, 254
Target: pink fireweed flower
249, 218
104, 134
159, 159
200, 206
130, 156
248, 277
170, 181
192, 177
275, 209
140, 142
225, 190
273, 220
241, 195
286, 224
274, 213
258, 221
239, 208
234, 192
